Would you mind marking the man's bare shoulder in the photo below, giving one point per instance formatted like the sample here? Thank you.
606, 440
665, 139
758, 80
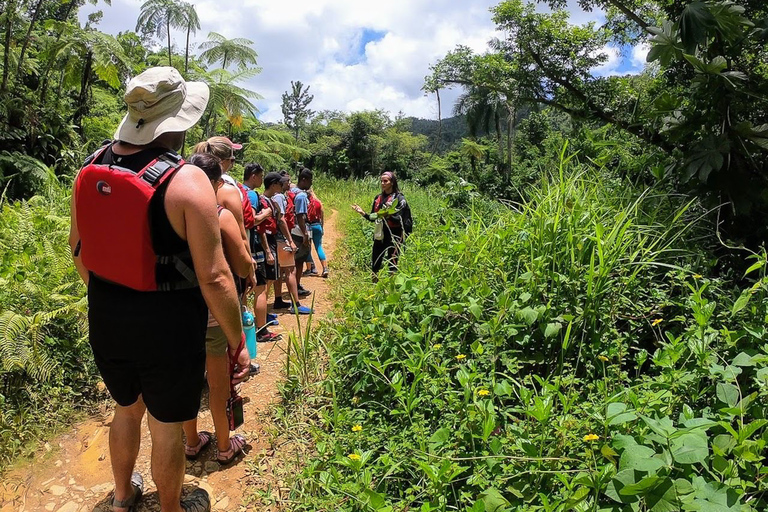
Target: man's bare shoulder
189, 186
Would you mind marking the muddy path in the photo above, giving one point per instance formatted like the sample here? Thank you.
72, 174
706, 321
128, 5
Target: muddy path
72, 472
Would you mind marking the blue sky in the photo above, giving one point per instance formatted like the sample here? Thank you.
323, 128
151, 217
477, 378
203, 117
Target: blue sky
353, 54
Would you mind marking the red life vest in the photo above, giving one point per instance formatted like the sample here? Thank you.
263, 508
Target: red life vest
113, 222
269, 225
290, 210
314, 209
248, 218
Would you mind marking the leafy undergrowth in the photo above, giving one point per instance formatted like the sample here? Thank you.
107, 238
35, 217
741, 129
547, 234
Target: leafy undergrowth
46, 370
569, 353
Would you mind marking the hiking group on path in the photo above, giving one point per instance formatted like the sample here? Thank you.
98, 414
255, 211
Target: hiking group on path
172, 252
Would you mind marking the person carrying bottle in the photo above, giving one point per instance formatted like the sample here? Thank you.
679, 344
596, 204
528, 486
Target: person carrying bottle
391, 227
217, 360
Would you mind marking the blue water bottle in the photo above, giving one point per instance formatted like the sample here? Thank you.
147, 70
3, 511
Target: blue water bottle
249, 328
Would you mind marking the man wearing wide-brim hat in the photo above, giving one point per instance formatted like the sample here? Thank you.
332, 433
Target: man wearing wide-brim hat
148, 339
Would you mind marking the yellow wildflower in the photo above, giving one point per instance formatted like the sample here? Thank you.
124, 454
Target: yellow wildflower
460, 357
483, 392
603, 359
354, 456
656, 322
357, 428
591, 437
437, 346
697, 276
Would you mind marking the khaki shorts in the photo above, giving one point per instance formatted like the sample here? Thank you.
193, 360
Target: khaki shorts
215, 341
284, 257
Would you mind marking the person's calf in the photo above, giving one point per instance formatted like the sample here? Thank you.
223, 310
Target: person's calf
167, 462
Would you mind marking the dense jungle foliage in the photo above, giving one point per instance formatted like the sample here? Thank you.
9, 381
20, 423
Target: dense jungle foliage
578, 322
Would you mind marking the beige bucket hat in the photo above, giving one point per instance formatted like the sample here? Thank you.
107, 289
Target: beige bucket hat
160, 101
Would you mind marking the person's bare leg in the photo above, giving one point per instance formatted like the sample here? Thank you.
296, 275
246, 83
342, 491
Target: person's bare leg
298, 272
190, 432
279, 285
218, 393
124, 442
260, 305
290, 281
167, 463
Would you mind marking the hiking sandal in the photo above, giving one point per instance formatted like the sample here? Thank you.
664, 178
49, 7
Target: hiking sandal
193, 452
196, 501
236, 444
138, 490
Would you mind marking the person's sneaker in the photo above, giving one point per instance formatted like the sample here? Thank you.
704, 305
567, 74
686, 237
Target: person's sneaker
303, 292
281, 304
196, 501
271, 317
325, 273
268, 337
303, 310
254, 369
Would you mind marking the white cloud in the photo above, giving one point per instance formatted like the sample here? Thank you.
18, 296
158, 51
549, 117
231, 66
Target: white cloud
319, 42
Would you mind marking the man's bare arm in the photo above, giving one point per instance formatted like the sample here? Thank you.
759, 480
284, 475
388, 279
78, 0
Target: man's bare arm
191, 191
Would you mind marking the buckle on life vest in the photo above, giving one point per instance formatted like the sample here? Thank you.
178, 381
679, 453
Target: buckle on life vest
156, 171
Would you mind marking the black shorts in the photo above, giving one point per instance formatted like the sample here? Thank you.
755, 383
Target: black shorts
302, 251
150, 344
271, 270
257, 252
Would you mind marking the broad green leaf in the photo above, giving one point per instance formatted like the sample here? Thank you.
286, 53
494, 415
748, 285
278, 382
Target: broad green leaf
690, 448
528, 315
640, 488
621, 480
663, 497
694, 22
743, 359
727, 393
502, 388
662, 426
552, 329
493, 500
476, 310
439, 439
641, 458
741, 302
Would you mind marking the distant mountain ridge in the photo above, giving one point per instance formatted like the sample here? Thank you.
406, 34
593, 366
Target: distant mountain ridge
453, 130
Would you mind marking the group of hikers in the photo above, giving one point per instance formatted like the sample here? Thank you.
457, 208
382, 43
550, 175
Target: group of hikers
172, 252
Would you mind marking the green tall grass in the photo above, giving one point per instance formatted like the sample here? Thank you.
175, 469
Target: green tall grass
469, 380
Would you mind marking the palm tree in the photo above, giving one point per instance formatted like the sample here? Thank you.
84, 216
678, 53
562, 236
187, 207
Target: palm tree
227, 98
473, 150
161, 16
228, 51
192, 25
81, 54
481, 106
274, 148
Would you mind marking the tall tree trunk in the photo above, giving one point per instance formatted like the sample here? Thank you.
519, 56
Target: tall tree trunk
511, 118
168, 30
186, 53
26, 39
84, 86
7, 45
51, 62
499, 140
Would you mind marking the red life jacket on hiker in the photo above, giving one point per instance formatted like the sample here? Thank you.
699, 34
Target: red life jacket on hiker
249, 221
290, 210
314, 209
113, 222
269, 225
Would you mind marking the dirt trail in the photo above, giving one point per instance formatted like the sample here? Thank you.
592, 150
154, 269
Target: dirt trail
72, 473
